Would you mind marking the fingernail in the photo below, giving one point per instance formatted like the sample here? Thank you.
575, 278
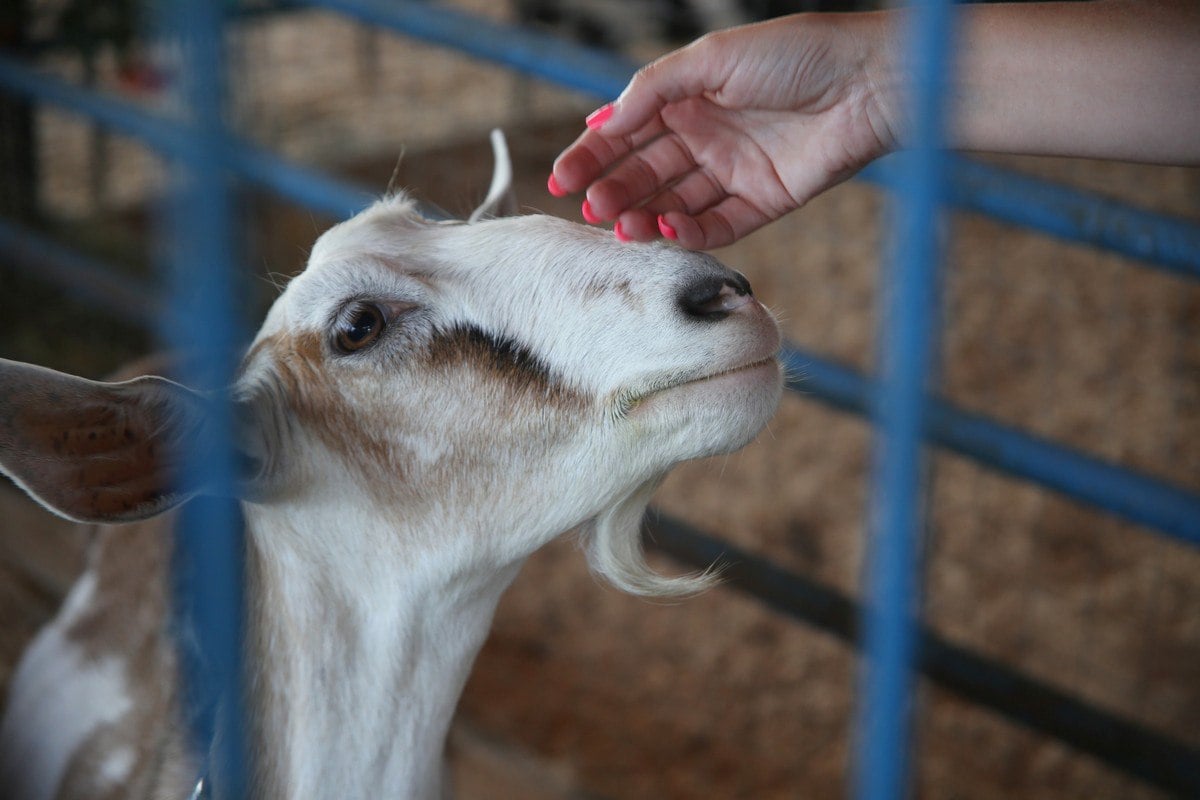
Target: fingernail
619, 232
554, 188
588, 214
666, 230
597, 118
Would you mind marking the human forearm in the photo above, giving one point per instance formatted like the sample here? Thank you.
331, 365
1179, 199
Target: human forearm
732, 132
1105, 79
1110, 79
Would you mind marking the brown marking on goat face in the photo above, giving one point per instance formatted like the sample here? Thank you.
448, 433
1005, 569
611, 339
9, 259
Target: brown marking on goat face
511, 364
594, 290
319, 394
625, 289
598, 288
320, 406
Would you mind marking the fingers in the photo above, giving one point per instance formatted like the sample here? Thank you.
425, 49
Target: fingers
642, 175
672, 78
696, 214
633, 118
718, 226
592, 154
659, 191
695, 192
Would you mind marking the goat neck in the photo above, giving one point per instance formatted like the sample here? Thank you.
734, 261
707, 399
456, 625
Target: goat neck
360, 651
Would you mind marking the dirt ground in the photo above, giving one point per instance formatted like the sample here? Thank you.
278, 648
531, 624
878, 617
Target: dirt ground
583, 692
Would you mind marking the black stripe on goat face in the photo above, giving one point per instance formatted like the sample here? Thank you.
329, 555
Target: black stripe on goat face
512, 363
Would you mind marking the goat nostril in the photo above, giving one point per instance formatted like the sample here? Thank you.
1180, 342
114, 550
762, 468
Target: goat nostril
740, 282
715, 297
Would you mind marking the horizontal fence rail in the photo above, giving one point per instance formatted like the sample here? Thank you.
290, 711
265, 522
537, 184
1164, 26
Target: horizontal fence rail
92, 282
592, 71
1125, 745
173, 140
1147, 501
1064, 212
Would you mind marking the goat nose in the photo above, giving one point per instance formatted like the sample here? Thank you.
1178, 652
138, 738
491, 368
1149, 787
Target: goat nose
713, 297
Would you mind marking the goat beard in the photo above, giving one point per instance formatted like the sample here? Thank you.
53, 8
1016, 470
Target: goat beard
615, 550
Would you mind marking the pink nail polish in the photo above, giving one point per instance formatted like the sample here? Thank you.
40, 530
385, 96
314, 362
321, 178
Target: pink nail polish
588, 214
666, 230
554, 188
597, 118
619, 232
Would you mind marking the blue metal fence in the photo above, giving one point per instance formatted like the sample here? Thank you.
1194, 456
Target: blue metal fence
206, 154
203, 321
907, 334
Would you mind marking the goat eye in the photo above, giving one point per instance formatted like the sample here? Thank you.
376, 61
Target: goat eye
359, 327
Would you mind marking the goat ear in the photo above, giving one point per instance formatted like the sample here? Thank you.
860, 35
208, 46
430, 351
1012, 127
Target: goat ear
501, 201
92, 451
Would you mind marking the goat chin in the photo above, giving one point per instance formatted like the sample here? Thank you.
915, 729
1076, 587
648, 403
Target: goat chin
716, 414
423, 407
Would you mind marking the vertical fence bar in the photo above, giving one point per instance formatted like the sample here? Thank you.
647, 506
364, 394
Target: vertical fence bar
202, 322
907, 347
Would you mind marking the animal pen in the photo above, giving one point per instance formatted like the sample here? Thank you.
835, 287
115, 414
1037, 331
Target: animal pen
1028, 617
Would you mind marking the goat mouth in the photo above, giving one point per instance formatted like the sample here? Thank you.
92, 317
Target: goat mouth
629, 400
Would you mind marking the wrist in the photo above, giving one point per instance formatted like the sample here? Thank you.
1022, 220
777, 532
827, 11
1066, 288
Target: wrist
879, 36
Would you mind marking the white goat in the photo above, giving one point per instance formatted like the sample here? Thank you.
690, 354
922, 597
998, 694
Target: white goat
425, 405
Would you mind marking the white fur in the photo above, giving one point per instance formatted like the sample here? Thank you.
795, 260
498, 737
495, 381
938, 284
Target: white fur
64, 698
115, 769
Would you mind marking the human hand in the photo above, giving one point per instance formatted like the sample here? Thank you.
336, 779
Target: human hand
737, 129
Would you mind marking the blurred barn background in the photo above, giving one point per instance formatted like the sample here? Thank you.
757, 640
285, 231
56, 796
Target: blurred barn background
1078, 634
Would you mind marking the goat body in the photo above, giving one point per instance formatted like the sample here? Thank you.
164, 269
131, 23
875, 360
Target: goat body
424, 406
